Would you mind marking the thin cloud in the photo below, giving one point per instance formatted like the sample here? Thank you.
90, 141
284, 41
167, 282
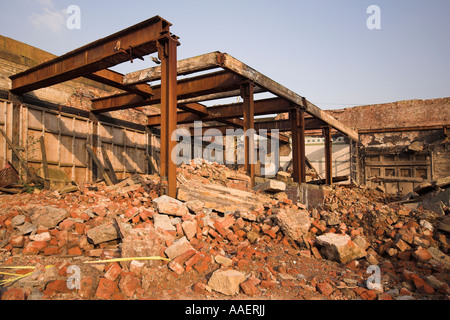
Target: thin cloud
46, 3
50, 20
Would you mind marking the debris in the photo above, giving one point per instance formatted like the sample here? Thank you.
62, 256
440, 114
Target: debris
271, 186
163, 221
103, 233
294, 223
178, 248
340, 247
226, 281
47, 216
171, 206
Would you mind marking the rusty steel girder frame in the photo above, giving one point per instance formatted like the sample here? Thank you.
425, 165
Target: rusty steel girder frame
136, 41
235, 79
93, 60
186, 88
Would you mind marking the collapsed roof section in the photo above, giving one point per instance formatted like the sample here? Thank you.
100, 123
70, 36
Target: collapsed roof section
179, 99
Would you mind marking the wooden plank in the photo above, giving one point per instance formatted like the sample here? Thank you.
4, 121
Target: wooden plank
99, 165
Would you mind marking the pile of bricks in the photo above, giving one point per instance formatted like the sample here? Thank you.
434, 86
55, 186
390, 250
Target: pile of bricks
286, 249
203, 170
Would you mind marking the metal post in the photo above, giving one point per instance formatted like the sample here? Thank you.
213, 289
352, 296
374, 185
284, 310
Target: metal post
297, 118
328, 155
247, 92
167, 49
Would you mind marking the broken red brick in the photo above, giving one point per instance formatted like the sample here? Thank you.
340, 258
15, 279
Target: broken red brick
199, 288
76, 251
107, 289
129, 284
249, 288
56, 286
87, 288
113, 271
14, 294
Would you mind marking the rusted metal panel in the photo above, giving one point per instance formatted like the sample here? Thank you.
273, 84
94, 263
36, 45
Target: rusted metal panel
101, 54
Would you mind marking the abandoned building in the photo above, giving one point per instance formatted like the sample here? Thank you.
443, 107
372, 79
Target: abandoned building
86, 136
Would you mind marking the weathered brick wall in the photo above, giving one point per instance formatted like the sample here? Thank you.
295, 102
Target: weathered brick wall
409, 113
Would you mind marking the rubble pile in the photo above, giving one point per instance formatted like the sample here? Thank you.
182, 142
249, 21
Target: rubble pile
203, 170
260, 244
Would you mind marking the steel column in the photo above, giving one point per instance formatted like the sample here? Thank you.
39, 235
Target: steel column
297, 117
167, 50
328, 155
247, 94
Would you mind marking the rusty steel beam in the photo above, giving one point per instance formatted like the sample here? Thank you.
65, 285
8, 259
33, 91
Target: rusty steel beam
186, 88
234, 110
297, 117
187, 66
220, 95
227, 62
115, 79
167, 51
196, 108
138, 40
223, 130
328, 155
248, 107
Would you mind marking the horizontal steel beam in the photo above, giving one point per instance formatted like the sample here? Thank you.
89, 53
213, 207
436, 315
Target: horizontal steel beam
115, 80
235, 110
280, 125
227, 62
187, 66
137, 40
186, 88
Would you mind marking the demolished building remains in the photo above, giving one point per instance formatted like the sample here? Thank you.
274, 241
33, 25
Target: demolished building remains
89, 183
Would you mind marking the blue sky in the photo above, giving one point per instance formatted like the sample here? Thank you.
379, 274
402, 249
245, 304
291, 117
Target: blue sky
321, 49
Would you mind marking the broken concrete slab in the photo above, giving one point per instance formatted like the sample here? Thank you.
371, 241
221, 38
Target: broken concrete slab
163, 221
168, 205
47, 216
271, 186
340, 247
178, 248
144, 242
189, 229
293, 223
18, 220
26, 228
226, 281
223, 199
284, 176
103, 233
195, 206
